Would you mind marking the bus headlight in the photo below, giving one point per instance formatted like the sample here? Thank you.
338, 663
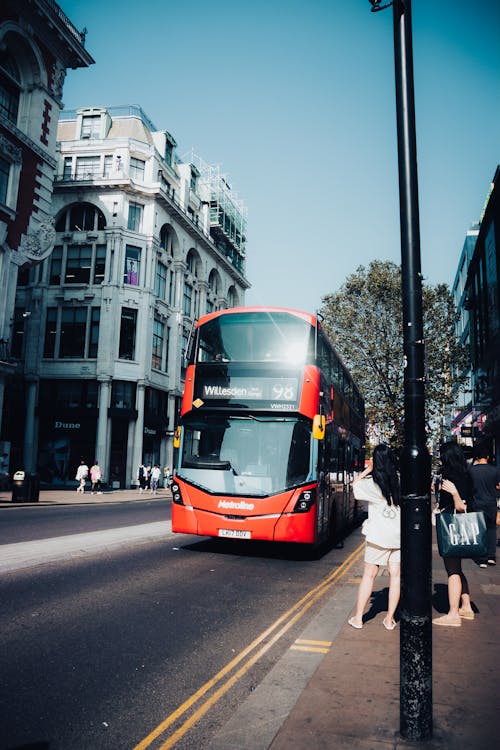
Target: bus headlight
176, 493
305, 501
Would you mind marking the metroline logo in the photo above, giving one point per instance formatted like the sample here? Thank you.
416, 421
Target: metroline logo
231, 505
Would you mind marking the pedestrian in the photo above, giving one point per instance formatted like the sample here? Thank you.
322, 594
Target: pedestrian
485, 486
81, 476
378, 484
454, 495
141, 477
166, 477
95, 478
155, 478
148, 477
436, 483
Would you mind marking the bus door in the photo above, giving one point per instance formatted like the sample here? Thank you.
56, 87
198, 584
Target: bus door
327, 484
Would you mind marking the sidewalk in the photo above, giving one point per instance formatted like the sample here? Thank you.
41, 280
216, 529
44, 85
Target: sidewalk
352, 700
349, 696
72, 497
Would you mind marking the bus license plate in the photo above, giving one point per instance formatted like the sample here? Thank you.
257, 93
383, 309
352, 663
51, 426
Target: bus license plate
235, 533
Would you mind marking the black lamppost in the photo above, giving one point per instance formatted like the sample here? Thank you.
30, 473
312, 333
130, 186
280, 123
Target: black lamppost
416, 622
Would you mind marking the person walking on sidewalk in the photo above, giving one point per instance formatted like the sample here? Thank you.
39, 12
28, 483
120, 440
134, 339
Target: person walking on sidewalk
166, 477
155, 478
378, 484
485, 486
95, 478
455, 493
81, 476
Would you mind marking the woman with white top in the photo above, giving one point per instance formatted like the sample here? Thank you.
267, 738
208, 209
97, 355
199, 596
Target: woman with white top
378, 484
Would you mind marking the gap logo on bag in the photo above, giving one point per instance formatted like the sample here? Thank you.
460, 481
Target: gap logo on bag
468, 534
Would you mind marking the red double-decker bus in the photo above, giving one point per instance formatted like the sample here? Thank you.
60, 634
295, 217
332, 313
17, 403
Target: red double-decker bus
270, 433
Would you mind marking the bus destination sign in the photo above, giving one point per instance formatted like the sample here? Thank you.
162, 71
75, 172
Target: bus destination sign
278, 392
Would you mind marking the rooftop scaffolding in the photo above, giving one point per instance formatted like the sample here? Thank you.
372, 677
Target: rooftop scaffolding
228, 214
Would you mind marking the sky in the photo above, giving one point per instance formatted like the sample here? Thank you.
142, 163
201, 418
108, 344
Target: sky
295, 102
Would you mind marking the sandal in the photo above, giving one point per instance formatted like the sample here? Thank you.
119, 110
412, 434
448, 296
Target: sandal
353, 624
448, 621
466, 614
391, 626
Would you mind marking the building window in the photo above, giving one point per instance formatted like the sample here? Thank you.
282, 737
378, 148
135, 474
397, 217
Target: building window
68, 167
73, 325
55, 265
18, 333
4, 179
160, 280
169, 153
194, 180
91, 127
137, 168
95, 318
134, 217
128, 326
78, 263
166, 239
49, 347
87, 167
108, 165
81, 217
184, 345
167, 347
187, 299
100, 264
171, 287
132, 265
122, 394
10, 87
158, 331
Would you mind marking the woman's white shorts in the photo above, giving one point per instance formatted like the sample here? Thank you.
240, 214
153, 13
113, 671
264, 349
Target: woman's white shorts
381, 555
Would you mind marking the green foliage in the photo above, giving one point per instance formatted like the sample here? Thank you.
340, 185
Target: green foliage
364, 321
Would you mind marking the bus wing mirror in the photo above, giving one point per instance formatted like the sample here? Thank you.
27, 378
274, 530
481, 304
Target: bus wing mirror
319, 422
177, 437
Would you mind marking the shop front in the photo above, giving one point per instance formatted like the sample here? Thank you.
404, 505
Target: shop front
66, 438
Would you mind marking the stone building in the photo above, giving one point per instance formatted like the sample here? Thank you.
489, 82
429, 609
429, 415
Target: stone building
38, 43
145, 244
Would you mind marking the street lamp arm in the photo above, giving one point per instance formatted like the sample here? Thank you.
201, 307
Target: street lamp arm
376, 5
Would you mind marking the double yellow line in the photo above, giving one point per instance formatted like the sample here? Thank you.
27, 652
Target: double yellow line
281, 626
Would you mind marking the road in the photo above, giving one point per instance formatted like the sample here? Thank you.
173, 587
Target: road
21, 524
102, 648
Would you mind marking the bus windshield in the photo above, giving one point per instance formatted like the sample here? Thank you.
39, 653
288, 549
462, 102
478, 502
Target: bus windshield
249, 456
256, 337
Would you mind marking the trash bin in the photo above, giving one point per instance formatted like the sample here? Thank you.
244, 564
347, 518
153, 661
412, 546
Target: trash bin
20, 487
34, 488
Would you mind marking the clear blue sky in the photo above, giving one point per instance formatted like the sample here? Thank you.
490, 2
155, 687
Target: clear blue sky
295, 101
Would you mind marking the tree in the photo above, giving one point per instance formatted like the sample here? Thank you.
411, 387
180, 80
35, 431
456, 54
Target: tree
364, 322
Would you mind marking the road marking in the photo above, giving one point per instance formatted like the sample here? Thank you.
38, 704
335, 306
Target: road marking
307, 642
284, 623
310, 649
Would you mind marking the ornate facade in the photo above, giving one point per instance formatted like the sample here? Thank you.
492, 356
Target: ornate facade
144, 244
38, 44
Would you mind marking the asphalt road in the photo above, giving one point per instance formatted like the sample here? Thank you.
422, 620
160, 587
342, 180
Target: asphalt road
99, 650
30, 522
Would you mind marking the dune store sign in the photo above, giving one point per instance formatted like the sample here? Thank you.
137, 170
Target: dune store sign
60, 425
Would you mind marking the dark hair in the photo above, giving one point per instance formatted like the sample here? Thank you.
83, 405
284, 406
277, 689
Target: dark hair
385, 473
481, 450
454, 462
